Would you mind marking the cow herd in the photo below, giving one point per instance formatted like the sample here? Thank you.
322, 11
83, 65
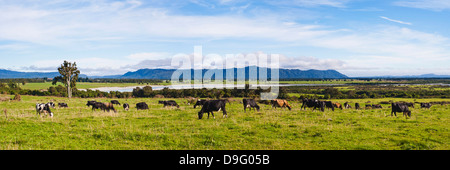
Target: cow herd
210, 106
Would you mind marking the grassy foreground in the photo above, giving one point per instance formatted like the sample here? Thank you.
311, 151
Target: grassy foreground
160, 128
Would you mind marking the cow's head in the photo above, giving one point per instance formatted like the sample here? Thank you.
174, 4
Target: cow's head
200, 115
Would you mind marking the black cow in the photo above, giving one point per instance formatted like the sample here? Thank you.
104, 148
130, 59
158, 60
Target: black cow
199, 103
357, 107
95, 105
250, 103
44, 108
425, 105
115, 102
169, 103
90, 103
63, 105
400, 107
126, 106
211, 106
328, 105
142, 106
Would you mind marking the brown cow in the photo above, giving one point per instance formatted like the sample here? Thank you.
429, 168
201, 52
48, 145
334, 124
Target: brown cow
280, 103
108, 107
338, 105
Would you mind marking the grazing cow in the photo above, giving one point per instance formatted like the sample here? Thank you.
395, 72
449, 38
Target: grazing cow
368, 106
126, 106
142, 106
400, 107
357, 107
250, 103
63, 105
338, 105
44, 108
425, 105
108, 107
115, 102
280, 103
199, 103
95, 105
90, 103
169, 103
328, 105
376, 106
211, 106
347, 106
308, 103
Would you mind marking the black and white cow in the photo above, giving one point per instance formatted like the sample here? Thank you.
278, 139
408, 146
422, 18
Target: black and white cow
45, 108
250, 103
211, 106
126, 106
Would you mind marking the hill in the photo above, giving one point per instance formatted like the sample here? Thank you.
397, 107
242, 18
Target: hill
8, 74
166, 74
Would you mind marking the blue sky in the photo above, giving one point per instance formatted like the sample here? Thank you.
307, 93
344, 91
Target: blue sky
105, 37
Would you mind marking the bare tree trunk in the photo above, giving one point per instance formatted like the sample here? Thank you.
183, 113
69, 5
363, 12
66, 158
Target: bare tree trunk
69, 89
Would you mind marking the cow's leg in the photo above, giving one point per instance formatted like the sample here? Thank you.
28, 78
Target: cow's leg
213, 115
224, 113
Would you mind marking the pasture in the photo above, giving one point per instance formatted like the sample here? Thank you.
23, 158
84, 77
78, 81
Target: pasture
80, 128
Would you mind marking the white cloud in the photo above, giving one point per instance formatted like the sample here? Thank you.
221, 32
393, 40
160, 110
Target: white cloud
397, 21
435, 5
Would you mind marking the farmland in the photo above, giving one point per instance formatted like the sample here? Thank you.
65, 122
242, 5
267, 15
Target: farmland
78, 127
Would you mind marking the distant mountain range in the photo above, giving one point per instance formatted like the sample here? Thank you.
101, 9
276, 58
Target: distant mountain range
166, 74
8, 74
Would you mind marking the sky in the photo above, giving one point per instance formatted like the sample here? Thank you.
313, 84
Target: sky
111, 37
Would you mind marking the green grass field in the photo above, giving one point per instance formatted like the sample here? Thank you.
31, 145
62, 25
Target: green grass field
80, 128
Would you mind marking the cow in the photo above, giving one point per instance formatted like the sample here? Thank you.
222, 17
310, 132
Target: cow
280, 103
368, 106
115, 102
400, 107
425, 105
44, 108
126, 106
63, 105
376, 106
357, 107
312, 103
347, 106
142, 106
211, 106
95, 105
328, 105
199, 103
250, 103
108, 107
338, 105
169, 103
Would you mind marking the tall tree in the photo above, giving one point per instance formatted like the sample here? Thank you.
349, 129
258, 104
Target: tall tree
69, 76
